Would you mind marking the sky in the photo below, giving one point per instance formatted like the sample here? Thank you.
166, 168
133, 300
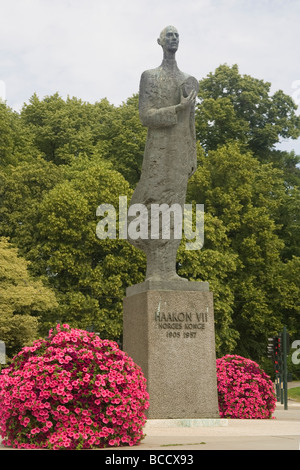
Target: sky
95, 49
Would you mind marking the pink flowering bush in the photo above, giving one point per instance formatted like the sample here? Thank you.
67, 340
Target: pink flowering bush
72, 391
244, 390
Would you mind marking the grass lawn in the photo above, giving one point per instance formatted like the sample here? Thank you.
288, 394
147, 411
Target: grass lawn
294, 393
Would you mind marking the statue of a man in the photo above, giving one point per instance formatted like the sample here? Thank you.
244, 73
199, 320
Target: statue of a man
167, 107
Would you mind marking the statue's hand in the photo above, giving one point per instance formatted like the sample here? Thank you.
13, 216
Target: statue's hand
186, 102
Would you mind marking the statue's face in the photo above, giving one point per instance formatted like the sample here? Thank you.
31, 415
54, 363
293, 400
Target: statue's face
169, 39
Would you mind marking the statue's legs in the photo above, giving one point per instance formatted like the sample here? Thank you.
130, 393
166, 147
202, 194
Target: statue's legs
161, 261
161, 252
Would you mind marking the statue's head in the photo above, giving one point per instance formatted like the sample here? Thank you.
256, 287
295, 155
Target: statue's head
169, 39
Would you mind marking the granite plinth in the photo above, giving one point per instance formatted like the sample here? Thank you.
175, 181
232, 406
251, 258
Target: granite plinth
182, 286
170, 334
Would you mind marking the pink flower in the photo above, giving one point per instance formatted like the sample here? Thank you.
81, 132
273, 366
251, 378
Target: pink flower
71, 383
244, 390
35, 431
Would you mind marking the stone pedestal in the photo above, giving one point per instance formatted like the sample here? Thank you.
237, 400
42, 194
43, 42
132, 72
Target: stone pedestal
168, 329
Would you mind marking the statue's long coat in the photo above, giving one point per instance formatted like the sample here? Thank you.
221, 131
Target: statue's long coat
170, 150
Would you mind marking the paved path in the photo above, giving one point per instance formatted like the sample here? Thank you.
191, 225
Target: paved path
282, 433
293, 384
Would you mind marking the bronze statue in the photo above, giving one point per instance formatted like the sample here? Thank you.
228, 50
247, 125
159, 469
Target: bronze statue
167, 107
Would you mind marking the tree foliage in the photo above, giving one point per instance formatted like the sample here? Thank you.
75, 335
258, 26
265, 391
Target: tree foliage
236, 189
23, 300
57, 233
64, 129
240, 108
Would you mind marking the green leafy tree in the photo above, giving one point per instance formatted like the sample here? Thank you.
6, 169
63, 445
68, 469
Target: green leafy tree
240, 108
289, 218
244, 196
16, 142
6, 135
254, 189
21, 189
127, 143
88, 274
23, 300
63, 129
216, 264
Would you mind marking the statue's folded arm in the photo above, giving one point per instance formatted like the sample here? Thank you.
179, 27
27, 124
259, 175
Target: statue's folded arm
151, 114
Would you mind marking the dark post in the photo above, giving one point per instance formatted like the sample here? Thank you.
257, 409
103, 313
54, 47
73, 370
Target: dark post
284, 348
278, 368
271, 353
